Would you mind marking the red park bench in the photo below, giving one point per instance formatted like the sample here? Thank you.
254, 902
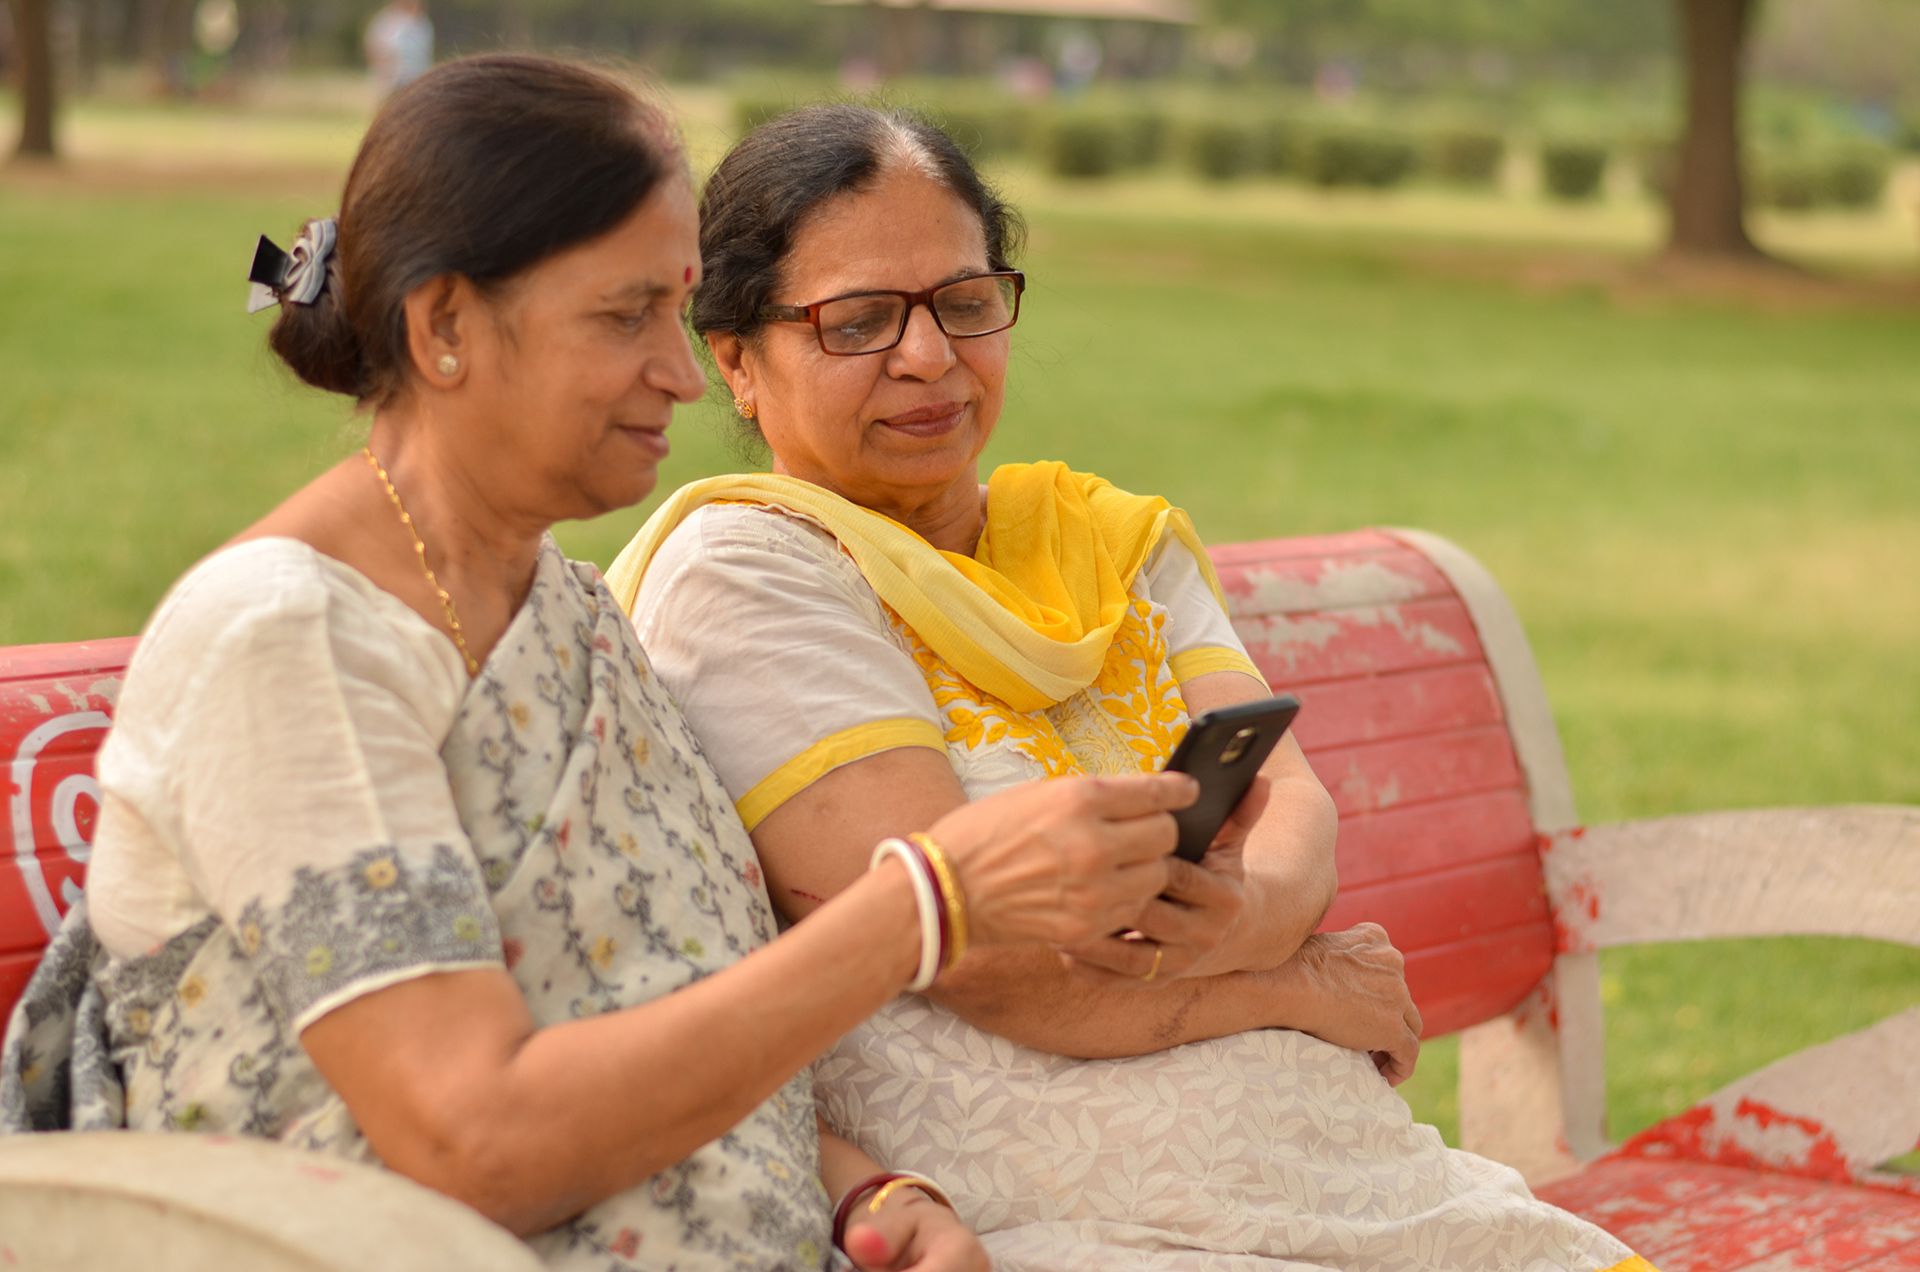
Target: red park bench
1426, 718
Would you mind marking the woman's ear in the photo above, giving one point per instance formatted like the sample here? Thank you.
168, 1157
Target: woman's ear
442, 322
730, 355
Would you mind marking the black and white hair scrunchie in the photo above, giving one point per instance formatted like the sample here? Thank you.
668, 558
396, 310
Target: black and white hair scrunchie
297, 276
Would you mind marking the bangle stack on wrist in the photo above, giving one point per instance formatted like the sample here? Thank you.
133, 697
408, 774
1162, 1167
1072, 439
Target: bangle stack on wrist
937, 895
882, 1186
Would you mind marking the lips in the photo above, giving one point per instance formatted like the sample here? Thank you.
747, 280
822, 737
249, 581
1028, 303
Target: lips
654, 438
935, 418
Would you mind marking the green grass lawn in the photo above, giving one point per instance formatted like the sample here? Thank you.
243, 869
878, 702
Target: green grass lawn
1707, 513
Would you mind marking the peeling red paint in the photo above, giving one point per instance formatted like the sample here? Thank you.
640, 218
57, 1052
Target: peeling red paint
1699, 1135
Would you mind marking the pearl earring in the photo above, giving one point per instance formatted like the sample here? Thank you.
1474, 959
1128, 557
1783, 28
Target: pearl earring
448, 364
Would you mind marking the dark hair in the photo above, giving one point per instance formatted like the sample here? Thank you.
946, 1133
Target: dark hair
482, 167
781, 172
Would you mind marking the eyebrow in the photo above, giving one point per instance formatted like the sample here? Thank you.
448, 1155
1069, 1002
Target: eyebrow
637, 291
956, 276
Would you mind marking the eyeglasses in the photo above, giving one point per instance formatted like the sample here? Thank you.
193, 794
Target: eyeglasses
876, 321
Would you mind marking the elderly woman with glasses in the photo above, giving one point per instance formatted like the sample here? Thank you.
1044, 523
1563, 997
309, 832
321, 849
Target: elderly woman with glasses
868, 636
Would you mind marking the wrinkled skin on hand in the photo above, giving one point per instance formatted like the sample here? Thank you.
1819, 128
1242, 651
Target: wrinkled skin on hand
1360, 986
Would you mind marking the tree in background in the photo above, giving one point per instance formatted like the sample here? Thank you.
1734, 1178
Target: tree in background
1708, 207
33, 42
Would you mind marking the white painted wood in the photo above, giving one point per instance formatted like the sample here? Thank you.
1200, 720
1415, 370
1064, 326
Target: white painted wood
1842, 871
1572, 1077
1510, 1091
160, 1202
1857, 1097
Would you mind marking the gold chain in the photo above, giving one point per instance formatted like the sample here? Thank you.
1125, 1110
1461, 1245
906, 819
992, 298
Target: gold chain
420, 552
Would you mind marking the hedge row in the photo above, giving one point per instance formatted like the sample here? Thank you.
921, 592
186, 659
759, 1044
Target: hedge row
1089, 141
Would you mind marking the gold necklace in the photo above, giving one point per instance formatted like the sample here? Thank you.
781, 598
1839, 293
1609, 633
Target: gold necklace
420, 552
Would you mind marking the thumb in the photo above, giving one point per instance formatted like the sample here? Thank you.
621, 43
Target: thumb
870, 1249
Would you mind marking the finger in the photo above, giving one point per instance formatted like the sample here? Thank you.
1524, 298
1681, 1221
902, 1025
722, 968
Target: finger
868, 1243
1198, 887
1138, 839
1168, 924
1140, 795
1127, 960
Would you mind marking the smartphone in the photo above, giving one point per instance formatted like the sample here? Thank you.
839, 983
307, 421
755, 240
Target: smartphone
1223, 750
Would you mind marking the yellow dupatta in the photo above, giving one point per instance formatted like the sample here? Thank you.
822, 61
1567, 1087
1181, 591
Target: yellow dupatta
1028, 618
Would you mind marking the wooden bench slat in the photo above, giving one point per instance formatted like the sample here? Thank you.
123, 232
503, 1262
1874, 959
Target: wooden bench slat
92, 658
1447, 906
1884, 1231
1432, 835
1352, 541
1402, 705
1383, 775
1293, 650
1315, 584
1474, 980
1739, 1228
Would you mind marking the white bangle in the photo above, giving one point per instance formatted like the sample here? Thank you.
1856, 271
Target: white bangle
926, 896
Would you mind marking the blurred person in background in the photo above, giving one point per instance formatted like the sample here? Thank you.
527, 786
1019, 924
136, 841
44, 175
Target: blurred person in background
399, 44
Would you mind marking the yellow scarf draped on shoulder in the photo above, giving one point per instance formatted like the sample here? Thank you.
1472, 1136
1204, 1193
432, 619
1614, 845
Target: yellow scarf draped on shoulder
1028, 617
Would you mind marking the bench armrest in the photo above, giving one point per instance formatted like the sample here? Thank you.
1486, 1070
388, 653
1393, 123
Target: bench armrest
1843, 871
183, 1203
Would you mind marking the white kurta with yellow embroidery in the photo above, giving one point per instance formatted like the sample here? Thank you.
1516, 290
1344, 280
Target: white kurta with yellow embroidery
1265, 1150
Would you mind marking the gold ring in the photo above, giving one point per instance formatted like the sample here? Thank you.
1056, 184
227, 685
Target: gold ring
1154, 971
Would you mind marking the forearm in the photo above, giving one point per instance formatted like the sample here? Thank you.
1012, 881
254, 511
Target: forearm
560, 1118
1290, 876
1032, 998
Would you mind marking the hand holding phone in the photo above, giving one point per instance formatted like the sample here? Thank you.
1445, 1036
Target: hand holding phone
1223, 750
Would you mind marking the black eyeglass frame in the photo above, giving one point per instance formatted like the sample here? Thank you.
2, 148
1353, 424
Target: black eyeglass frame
810, 314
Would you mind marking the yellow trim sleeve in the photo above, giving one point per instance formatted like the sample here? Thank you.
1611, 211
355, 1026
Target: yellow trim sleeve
1189, 664
828, 754
1635, 1264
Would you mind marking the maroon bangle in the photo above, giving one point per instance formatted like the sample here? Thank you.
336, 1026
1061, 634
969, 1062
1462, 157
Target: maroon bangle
855, 1193
946, 931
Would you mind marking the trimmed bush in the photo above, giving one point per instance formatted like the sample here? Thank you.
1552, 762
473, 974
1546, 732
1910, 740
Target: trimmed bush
1082, 145
1358, 157
1467, 156
1222, 149
1279, 141
1855, 177
1143, 135
984, 130
1573, 170
751, 112
1786, 183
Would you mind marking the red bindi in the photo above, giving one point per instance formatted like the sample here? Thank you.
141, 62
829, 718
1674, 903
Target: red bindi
688, 276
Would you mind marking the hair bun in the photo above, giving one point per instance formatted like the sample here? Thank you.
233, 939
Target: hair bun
318, 342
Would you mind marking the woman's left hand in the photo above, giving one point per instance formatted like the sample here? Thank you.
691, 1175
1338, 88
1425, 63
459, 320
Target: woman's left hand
913, 1233
1189, 929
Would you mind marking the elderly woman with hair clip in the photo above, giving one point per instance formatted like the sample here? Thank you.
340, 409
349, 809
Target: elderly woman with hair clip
404, 852
869, 637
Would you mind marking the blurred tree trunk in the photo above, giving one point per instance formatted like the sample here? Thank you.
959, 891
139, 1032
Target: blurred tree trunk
33, 39
1709, 198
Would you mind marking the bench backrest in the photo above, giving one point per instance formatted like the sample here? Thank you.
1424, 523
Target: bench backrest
1418, 715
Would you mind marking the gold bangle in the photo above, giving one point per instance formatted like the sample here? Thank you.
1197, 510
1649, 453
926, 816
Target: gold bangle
950, 893
898, 1182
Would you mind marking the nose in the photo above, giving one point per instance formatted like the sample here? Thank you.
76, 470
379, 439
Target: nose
925, 352
676, 372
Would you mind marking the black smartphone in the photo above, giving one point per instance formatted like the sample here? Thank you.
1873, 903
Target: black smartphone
1223, 750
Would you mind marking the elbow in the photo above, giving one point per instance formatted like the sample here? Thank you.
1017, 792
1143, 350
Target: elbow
476, 1158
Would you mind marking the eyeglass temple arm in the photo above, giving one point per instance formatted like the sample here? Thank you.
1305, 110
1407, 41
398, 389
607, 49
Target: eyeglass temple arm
785, 313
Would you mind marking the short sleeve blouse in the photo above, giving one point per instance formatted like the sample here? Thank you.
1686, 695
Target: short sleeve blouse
282, 723
788, 665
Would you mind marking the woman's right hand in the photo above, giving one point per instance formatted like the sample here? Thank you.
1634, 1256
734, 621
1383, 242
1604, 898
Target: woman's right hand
1355, 988
1064, 861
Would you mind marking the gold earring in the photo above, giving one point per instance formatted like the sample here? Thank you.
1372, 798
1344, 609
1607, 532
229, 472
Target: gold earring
448, 364
744, 409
